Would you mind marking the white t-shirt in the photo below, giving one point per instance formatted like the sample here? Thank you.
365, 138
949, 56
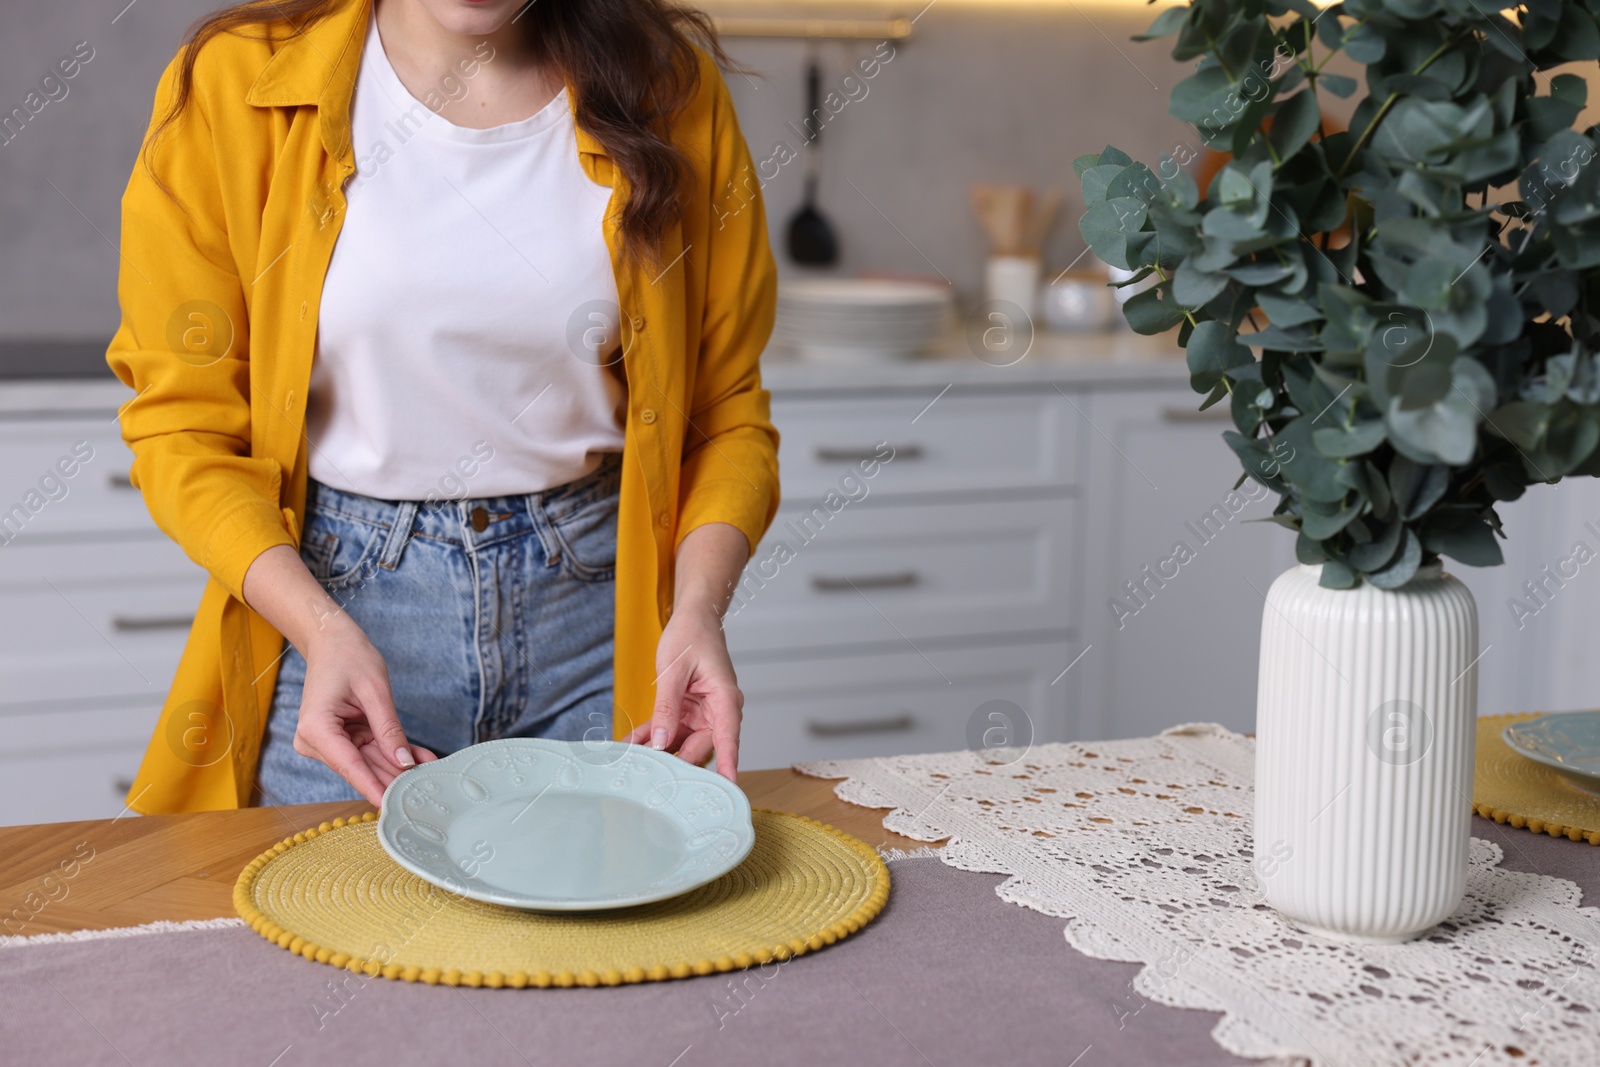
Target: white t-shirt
460, 306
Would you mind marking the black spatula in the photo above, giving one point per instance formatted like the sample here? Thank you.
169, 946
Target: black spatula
812, 240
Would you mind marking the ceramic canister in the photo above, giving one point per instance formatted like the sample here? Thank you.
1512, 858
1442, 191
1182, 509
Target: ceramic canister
1365, 728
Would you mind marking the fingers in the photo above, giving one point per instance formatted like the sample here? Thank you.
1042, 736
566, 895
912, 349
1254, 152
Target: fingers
723, 709
390, 737
422, 755
696, 747
328, 743
640, 734
668, 714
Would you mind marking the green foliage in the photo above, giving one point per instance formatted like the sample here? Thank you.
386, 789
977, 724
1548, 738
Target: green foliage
1444, 357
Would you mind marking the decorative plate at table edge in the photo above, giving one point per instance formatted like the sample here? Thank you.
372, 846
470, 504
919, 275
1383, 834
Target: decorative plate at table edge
1568, 742
420, 805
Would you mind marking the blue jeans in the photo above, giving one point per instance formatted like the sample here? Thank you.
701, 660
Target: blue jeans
495, 617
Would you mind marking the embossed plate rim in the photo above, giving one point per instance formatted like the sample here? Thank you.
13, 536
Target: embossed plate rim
1517, 738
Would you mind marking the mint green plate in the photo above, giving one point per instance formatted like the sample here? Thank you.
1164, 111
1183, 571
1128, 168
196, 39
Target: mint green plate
564, 825
1568, 742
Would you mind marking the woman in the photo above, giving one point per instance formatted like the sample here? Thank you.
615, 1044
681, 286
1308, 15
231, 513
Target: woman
513, 491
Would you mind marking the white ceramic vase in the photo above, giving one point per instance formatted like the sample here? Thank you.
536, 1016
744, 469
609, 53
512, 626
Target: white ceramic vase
1365, 726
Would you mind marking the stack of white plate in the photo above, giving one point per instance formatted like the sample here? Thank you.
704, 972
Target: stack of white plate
861, 320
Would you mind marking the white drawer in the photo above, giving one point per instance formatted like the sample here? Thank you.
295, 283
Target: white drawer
67, 785
857, 706
112, 723
111, 560
909, 571
38, 502
78, 642
963, 442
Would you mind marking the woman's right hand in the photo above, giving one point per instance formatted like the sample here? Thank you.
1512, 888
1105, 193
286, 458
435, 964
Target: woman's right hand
347, 716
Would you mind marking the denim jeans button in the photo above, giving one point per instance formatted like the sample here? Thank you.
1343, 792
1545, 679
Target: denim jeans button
479, 519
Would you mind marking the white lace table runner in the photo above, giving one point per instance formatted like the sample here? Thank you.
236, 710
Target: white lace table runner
1144, 847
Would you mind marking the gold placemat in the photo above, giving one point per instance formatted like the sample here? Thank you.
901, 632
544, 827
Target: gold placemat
1510, 788
332, 894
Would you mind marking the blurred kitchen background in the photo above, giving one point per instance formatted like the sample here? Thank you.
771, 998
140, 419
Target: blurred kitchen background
1012, 568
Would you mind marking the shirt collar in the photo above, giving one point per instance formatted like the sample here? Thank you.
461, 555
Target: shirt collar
318, 66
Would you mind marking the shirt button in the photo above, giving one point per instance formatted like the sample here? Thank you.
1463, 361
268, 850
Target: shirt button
647, 416
664, 519
638, 322
479, 519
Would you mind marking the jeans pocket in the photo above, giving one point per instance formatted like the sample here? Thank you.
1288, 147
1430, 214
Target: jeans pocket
341, 551
583, 517
588, 540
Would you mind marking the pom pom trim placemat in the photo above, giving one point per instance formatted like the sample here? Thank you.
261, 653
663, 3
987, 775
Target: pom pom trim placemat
1510, 788
333, 895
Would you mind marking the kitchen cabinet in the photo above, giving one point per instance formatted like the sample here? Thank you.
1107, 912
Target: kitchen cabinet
1066, 557
1177, 568
97, 605
937, 585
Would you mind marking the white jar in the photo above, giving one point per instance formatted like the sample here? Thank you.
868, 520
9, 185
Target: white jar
1365, 727
1015, 280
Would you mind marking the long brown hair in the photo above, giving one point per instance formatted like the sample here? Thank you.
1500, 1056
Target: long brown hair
631, 63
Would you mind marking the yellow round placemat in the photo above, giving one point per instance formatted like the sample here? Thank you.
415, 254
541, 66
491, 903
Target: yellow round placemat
1508, 787
332, 894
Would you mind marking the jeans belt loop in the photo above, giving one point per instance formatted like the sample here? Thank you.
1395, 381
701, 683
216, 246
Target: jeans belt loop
405, 517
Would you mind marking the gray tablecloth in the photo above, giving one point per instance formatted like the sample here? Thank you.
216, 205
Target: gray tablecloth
947, 975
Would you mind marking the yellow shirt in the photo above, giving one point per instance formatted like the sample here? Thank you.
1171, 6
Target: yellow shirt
219, 289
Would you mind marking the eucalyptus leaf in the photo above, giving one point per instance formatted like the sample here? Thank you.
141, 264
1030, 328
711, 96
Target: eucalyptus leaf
1152, 311
1315, 475
1463, 537
1309, 550
1337, 575
1106, 226
1357, 440
1337, 84
1404, 566
1377, 553
1417, 487
1322, 521
1213, 352
1293, 123
1192, 287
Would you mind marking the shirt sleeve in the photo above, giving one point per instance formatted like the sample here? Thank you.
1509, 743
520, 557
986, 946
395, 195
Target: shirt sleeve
183, 346
730, 463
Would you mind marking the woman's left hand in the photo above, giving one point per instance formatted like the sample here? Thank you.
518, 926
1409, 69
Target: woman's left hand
698, 705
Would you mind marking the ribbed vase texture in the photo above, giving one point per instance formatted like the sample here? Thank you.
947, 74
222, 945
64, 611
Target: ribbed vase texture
1365, 723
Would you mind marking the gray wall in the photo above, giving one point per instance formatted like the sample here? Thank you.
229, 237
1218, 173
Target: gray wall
984, 92
58, 267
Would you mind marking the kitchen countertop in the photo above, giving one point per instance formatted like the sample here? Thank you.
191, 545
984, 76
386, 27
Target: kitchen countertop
181, 867
1085, 360
1110, 358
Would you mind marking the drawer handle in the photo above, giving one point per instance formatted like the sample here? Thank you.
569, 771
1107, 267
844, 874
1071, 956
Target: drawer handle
138, 623
899, 580
892, 724
120, 480
852, 455
1215, 413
